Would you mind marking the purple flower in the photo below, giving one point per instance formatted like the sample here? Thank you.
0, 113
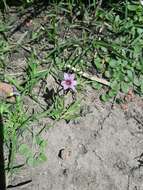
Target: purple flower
15, 91
69, 82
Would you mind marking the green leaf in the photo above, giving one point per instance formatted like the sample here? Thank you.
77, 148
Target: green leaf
115, 85
38, 140
113, 63
112, 93
31, 161
107, 74
141, 83
130, 75
125, 87
98, 63
25, 150
43, 145
136, 81
105, 97
142, 87
96, 85
132, 7
42, 158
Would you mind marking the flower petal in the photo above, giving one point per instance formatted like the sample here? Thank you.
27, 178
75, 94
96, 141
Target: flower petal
72, 87
72, 76
15, 91
66, 76
63, 83
74, 82
65, 86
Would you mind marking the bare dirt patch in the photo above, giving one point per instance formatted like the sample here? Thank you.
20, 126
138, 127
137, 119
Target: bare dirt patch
99, 151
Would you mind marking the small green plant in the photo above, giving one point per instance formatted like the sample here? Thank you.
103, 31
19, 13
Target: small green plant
15, 121
33, 74
60, 111
16, 125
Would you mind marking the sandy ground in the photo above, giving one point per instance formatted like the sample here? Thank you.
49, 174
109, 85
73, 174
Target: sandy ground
99, 151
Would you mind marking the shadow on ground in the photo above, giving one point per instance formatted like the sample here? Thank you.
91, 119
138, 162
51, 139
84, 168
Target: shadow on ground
2, 168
